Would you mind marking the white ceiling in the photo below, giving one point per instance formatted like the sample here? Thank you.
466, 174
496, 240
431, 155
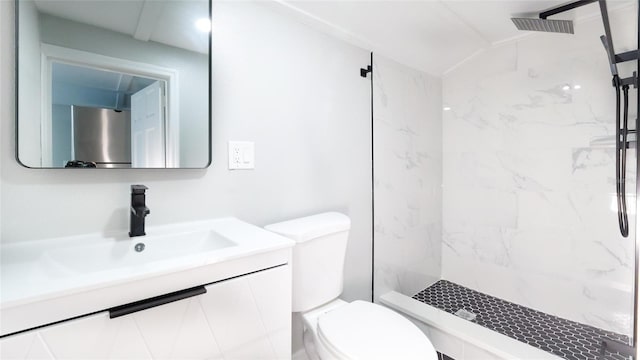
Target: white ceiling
431, 35
169, 22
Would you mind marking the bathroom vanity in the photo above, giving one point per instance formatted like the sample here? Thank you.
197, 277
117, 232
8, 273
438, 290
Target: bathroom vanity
199, 290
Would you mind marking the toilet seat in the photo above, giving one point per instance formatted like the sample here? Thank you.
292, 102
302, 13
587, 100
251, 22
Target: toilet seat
362, 330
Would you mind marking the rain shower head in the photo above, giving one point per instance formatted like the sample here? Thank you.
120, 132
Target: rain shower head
546, 25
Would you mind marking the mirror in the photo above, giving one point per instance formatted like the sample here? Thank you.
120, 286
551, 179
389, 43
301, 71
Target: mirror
113, 84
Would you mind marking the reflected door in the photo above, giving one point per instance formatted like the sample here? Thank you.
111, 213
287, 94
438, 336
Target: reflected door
147, 127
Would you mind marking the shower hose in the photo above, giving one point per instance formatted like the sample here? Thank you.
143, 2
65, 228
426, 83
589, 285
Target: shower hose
622, 128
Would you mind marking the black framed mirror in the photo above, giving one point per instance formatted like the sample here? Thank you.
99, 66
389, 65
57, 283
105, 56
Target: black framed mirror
113, 84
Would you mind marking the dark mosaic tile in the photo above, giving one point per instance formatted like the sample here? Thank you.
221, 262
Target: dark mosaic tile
567, 339
442, 356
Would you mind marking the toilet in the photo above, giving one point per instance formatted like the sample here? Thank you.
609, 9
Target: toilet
333, 328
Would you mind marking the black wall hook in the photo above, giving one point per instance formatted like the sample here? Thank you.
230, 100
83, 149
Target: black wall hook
364, 72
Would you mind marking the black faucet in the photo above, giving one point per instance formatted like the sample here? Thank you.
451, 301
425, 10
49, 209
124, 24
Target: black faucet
138, 211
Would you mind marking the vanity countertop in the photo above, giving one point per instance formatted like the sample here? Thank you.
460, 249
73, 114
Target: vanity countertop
49, 280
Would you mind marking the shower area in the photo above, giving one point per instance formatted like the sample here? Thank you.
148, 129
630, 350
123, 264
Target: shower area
505, 192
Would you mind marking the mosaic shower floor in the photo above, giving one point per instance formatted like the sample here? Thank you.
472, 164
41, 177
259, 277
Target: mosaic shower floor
567, 339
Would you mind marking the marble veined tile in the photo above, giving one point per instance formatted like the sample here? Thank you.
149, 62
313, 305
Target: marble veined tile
529, 208
407, 178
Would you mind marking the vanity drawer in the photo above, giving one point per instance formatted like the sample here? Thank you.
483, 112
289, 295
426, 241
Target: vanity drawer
243, 317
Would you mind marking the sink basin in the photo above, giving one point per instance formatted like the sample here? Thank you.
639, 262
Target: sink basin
106, 255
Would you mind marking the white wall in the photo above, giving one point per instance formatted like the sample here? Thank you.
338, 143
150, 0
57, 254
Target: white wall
295, 92
407, 109
529, 198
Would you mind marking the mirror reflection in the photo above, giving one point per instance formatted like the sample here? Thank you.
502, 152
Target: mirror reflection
113, 84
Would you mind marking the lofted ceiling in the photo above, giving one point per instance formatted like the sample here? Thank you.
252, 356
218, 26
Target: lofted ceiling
431, 35
167, 22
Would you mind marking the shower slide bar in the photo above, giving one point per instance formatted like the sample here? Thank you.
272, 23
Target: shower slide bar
607, 41
627, 56
622, 123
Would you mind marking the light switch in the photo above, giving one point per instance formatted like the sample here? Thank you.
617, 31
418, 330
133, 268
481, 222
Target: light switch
241, 155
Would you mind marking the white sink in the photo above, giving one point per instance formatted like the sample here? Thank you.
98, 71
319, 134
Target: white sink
82, 274
107, 255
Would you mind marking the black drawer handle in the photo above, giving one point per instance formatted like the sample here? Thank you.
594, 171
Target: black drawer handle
155, 301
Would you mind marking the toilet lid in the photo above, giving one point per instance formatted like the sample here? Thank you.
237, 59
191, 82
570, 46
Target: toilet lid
362, 330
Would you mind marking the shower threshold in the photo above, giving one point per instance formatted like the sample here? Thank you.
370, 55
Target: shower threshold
463, 323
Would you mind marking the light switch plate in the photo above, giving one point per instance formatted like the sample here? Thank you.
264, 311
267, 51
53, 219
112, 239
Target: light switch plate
241, 155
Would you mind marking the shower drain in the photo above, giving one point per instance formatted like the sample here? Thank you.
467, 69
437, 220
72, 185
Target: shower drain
465, 314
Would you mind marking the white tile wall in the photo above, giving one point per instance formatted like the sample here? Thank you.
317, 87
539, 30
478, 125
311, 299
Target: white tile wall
528, 198
408, 177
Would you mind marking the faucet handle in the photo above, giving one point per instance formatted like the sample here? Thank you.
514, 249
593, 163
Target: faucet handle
138, 189
140, 211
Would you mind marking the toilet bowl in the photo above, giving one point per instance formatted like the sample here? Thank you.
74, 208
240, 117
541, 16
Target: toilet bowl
333, 328
362, 330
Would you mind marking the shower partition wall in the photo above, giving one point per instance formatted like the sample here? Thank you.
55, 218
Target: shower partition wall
407, 124
527, 206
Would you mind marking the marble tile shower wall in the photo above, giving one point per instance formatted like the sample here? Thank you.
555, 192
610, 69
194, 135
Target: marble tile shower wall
407, 178
529, 182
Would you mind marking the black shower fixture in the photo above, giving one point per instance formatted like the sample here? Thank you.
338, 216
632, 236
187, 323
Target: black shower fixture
620, 84
364, 72
622, 122
543, 24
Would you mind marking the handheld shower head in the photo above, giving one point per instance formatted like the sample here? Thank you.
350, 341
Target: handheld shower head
546, 25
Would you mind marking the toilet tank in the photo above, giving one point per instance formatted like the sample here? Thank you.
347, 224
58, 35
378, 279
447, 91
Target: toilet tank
318, 257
